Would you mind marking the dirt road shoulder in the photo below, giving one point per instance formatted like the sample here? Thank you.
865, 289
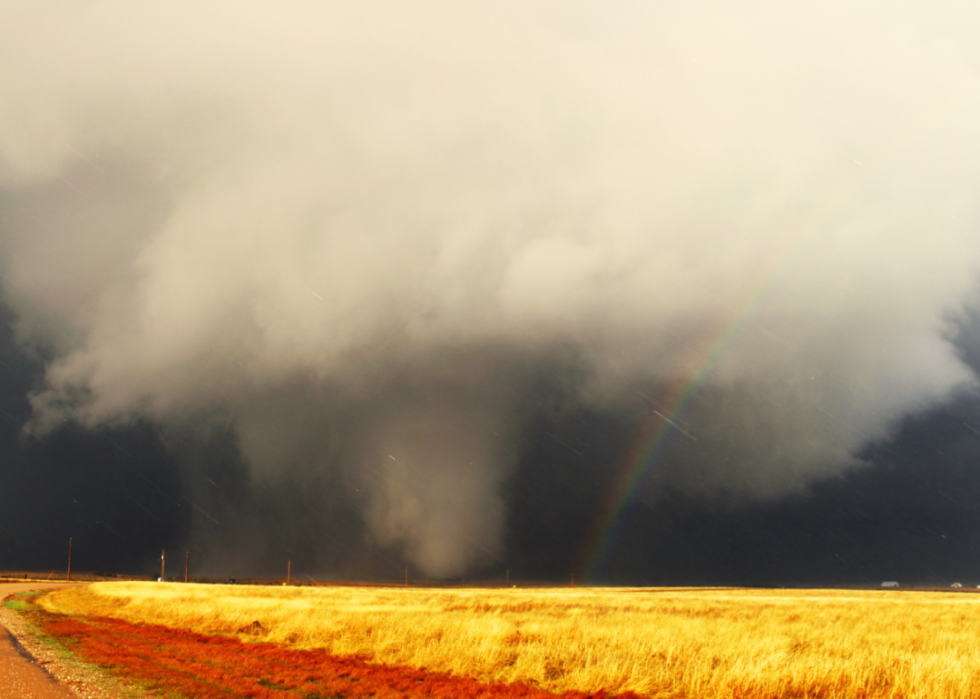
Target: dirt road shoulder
31, 668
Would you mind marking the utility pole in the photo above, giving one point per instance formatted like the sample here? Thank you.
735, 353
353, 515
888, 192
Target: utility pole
406, 577
187, 557
289, 570
69, 560
162, 552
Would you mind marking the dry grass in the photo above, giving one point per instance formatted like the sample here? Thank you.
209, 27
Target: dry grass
660, 643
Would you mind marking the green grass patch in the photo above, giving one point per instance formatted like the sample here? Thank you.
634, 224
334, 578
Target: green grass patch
22, 601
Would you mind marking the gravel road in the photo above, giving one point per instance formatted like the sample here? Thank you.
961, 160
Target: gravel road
29, 670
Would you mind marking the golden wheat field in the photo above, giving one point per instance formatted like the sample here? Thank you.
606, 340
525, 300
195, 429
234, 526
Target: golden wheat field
657, 642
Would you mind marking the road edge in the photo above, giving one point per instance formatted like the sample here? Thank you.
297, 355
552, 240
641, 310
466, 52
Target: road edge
84, 679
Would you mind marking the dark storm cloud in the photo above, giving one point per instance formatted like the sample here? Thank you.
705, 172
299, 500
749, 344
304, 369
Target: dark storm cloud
116, 493
908, 512
380, 249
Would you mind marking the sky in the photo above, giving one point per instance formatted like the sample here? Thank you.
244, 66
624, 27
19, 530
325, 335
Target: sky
645, 294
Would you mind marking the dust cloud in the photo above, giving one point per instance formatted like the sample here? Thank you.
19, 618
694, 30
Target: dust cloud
380, 239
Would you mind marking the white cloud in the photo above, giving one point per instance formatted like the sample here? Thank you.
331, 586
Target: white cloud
209, 204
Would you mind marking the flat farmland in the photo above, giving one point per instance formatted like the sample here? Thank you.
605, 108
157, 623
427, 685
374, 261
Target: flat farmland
654, 642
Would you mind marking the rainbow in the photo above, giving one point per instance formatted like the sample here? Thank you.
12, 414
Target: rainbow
651, 442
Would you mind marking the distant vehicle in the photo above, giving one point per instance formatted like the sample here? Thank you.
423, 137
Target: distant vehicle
957, 585
889, 583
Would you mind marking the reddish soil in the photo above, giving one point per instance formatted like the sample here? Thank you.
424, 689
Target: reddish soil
218, 667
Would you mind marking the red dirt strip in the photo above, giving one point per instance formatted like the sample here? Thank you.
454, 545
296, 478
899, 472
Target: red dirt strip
217, 667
